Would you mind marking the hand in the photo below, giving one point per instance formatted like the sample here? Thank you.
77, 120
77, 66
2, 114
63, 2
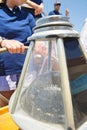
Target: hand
39, 9
13, 46
40, 48
67, 12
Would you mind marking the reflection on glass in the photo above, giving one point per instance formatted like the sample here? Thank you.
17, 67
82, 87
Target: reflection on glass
42, 98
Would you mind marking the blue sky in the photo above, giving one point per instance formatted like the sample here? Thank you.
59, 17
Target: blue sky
77, 8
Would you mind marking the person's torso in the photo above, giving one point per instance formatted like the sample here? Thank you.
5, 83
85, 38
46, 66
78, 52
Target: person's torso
15, 26
18, 27
55, 13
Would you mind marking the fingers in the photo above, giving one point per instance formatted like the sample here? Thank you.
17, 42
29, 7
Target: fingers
67, 12
13, 46
38, 10
41, 49
17, 48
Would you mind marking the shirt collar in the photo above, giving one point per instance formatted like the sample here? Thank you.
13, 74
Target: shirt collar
11, 9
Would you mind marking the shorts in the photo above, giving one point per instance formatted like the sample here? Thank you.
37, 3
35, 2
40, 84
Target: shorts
9, 82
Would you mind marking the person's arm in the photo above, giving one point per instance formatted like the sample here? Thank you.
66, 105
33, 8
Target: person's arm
38, 8
66, 12
13, 46
32, 4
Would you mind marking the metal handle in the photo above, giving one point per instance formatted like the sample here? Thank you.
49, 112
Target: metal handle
5, 49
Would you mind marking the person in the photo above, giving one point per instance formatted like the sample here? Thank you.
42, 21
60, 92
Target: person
35, 7
16, 25
56, 11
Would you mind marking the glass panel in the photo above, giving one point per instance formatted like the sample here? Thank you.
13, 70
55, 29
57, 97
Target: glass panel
44, 58
72, 48
42, 98
74, 54
78, 80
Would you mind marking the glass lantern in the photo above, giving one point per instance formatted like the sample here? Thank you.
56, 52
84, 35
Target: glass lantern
43, 98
